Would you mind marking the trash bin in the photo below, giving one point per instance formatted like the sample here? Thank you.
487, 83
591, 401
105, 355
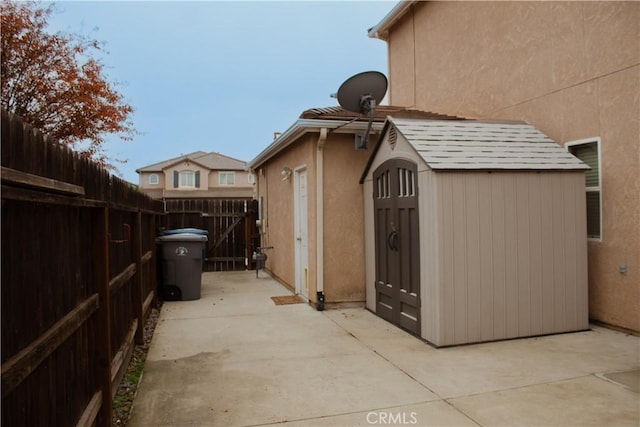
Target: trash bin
182, 259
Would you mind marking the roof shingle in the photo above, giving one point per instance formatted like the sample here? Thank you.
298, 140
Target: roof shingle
470, 144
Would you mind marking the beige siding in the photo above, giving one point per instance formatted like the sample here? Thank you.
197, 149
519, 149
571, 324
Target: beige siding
431, 296
502, 254
513, 255
369, 244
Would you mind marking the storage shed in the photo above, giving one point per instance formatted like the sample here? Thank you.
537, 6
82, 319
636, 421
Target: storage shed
475, 231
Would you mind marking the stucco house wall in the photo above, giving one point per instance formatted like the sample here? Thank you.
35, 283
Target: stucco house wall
572, 69
343, 225
322, 141
343, 220
277, 200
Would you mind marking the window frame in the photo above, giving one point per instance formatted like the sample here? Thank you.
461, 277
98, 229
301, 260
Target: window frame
592, 189
226, 173
185, 174
153, 181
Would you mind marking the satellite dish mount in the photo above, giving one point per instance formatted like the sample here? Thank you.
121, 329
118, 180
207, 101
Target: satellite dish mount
362, 93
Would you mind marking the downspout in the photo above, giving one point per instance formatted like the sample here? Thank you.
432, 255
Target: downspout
320, 220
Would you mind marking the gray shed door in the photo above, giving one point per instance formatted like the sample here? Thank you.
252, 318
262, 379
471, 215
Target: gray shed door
397, 244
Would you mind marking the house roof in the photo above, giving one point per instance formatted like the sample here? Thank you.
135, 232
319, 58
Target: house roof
381, 113
213, 161
481, 145
381, 30
337, 120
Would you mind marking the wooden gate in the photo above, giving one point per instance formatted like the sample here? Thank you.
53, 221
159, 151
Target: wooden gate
397, 244
233, 235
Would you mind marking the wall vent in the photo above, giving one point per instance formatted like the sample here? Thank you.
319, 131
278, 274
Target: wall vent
392, 137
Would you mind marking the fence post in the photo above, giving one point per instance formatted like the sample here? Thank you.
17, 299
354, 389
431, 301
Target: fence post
154, 220
100, 249
138, 297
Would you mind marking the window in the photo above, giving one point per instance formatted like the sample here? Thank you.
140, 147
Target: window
251, 178
226, 178
383, 182
406, 182
153, 179
187, 179
588, 150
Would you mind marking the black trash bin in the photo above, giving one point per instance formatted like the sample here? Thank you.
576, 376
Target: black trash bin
182, 260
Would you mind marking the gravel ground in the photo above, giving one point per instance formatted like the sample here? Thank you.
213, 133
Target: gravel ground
127, 389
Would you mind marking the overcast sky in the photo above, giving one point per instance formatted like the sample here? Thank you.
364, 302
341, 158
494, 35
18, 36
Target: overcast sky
223, 76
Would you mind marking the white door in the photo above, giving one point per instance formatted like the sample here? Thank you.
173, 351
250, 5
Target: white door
301, 232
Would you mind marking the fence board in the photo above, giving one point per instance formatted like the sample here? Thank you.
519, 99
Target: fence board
16, 369
70, 271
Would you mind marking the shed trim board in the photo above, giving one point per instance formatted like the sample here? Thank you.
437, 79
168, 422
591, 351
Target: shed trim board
503, 252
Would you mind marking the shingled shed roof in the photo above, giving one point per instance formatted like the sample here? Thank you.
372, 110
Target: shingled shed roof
470, 144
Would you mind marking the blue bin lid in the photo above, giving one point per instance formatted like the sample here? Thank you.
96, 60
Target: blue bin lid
182, 237
183, 231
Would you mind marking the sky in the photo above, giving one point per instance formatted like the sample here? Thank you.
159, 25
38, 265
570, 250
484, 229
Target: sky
222, 76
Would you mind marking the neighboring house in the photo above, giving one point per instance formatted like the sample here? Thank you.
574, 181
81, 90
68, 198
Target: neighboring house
572, 69
310, 202
196, 176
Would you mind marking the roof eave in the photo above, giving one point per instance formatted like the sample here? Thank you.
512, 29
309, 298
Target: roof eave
302, 126
381, 30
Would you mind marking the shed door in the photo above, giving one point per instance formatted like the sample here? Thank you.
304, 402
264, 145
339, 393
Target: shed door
397, 244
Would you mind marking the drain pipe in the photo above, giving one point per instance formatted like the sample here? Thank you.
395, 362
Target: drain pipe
320, 220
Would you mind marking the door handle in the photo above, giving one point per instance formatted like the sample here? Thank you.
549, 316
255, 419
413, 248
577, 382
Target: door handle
392, 240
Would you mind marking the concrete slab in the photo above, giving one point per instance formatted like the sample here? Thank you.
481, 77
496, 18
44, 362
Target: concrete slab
479, 368
234, 358
585, 401
437, 413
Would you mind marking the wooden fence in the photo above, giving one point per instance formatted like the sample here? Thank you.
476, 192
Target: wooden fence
78, 281
233, 235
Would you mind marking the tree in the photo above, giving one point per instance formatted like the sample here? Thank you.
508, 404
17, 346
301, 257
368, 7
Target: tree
53, 82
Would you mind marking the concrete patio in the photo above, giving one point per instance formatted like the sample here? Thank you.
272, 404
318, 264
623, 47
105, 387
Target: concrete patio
234, 358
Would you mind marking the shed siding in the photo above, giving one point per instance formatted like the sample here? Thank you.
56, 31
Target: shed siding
369, 246
430, 295
513, 257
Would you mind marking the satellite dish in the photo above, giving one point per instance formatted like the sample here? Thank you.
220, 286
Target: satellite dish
356, 92
361, 94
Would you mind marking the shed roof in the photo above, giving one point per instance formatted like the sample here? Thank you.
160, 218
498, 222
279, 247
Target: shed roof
483, 145
213, 161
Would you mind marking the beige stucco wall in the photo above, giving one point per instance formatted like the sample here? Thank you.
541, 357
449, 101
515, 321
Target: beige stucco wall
184, 167
343, 236
572, 69
143, 179
343, 220
241, 179
209, 184
277, 209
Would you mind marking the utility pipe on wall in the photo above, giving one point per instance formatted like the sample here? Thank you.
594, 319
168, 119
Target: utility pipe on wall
320, 220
